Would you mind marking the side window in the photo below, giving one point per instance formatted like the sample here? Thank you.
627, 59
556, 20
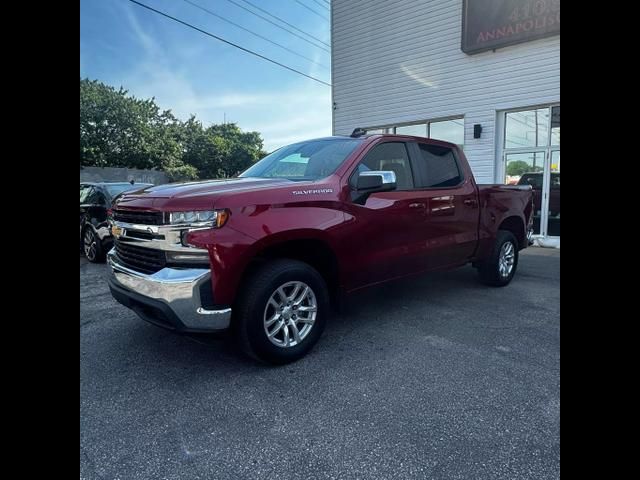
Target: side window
94, 197
85, 191
99, 198
388, 156
91, 196
438, 167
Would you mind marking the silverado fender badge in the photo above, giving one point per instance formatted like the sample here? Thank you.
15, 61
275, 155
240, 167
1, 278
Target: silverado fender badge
311, 192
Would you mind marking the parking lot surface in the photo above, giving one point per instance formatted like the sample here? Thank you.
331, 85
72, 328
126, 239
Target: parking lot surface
437, 377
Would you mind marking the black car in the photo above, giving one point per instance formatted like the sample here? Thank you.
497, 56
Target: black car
95, 200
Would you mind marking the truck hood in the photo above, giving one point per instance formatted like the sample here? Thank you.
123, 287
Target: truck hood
209, 187
198, 194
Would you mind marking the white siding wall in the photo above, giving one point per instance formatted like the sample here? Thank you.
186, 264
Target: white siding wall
398, 61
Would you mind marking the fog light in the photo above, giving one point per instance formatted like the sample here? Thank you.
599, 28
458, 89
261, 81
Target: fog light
201, 256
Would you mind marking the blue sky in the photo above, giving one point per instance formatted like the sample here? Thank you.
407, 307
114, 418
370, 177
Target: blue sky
123, 44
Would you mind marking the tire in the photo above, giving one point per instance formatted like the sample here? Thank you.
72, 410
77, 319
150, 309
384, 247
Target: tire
92, 246
493, 271
262, 309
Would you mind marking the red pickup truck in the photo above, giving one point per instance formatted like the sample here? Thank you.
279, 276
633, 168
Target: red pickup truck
268, 253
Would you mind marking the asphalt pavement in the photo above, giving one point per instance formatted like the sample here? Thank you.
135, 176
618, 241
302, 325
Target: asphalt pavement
434, 377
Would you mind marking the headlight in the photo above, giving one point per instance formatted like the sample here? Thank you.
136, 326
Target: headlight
214, 218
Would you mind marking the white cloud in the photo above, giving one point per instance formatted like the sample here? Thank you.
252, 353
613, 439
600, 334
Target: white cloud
281, 116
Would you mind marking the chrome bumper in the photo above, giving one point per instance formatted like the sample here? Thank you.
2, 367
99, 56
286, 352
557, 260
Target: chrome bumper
172, 293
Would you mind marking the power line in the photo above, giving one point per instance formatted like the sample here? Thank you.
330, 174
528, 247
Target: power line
285, 22
228, 42
253, 33
312, 10
279, 26
321, 4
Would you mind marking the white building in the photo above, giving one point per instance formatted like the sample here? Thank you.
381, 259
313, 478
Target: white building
398, 66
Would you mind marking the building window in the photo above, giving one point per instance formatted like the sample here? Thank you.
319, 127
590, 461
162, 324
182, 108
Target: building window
555, 125
528, 128
447, 130
421, 130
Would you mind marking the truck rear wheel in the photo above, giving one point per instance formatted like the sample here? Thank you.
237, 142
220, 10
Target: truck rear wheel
498, 270
282, 311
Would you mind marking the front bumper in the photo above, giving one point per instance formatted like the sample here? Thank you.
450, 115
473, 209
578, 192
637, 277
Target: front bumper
170, 298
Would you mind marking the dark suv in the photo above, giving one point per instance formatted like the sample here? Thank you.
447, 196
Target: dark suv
95, 201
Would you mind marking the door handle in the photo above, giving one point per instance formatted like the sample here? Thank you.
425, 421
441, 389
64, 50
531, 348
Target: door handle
417, 205
470, 202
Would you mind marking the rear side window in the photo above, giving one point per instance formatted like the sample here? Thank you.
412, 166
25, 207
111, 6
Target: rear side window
389, 156
438, 167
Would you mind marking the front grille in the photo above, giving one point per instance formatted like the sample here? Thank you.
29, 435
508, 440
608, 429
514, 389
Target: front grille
141, 259
141, 217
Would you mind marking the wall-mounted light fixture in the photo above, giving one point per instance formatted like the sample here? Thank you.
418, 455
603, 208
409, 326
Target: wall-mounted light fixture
477, 130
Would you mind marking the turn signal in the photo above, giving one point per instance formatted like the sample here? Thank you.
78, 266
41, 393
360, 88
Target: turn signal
221, 218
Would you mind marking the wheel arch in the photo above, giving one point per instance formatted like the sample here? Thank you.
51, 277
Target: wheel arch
310, 249
515, 224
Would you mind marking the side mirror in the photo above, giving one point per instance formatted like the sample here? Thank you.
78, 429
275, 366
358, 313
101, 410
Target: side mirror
376, 181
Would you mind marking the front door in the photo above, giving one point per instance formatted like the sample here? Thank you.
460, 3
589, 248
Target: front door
388, 227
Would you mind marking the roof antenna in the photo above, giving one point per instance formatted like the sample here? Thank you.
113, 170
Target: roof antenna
358, 132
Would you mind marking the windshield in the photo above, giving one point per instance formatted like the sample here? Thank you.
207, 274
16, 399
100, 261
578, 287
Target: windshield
310, 160
117, 188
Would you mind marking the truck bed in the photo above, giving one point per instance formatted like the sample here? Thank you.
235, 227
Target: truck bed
499, 201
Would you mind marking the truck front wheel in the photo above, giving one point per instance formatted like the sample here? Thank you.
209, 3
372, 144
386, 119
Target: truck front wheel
282, 311
500, 267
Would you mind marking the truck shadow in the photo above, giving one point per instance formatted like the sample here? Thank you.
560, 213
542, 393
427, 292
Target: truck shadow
439, 287
361, 310
422, 303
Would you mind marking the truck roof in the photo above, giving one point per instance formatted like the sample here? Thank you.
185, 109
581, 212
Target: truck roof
434, 141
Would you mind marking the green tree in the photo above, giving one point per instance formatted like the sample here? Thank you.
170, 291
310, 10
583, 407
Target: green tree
519, 167
245, 148
219, 151
119, 130
122, 131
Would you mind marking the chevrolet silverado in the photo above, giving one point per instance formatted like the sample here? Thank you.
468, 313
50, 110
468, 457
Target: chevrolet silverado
267, 254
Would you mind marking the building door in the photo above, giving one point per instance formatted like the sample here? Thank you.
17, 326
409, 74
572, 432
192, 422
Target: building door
531, 156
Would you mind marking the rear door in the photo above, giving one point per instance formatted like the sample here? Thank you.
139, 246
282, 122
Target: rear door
450, 226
